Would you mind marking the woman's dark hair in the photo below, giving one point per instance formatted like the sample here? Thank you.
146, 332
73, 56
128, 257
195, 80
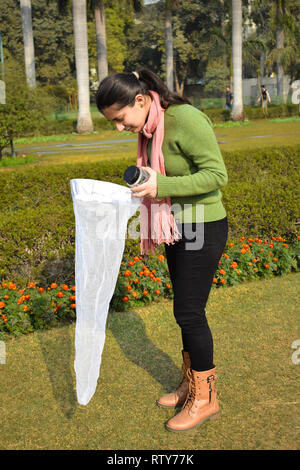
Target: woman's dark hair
122, 88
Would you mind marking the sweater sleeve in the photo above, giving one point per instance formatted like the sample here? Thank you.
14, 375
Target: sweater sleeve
195, 138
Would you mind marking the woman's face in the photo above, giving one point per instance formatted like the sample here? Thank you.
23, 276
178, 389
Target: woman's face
129, 118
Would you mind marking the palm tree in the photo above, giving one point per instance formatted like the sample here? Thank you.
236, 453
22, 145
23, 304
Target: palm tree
84, 121
237, 110
25, 6
169, 46
99, 12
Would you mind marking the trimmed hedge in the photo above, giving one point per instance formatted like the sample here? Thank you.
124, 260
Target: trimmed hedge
37, 226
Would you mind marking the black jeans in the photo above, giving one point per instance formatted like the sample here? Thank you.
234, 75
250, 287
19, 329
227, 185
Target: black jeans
192, 272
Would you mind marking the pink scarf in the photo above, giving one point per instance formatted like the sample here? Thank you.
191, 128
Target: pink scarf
157, 222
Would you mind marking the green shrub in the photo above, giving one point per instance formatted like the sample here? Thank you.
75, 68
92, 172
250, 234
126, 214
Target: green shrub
37, 226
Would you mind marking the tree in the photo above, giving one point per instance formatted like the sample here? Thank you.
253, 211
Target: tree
237, 110
25, 110
84, 121
169, 46
99, 13
28, 41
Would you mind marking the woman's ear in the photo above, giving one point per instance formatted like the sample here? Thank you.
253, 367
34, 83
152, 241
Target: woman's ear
140, 100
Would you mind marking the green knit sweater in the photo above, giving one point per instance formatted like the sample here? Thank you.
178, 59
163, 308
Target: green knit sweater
195, 170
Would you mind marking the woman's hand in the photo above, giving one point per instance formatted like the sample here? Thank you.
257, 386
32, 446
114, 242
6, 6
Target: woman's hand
149, 188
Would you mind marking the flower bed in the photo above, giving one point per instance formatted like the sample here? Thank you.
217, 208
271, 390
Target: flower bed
141, 282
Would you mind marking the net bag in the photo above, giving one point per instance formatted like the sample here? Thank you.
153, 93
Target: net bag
102, 211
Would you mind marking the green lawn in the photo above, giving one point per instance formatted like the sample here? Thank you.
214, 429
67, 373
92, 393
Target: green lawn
253, 324
256, 134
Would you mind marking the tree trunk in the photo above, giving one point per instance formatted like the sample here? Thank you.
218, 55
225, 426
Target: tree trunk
28, 42
169, 47
279, 45
84, 121
237, 110
99, 12
262, 65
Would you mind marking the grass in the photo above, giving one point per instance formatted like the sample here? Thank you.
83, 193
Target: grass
253, 324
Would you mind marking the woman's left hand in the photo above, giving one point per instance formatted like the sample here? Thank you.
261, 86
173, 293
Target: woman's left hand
149, 188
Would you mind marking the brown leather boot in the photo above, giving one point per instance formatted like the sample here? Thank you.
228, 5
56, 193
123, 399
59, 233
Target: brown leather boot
201, 403
177, 398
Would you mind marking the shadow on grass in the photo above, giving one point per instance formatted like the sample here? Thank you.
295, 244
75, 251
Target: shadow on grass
58, 351
130, 333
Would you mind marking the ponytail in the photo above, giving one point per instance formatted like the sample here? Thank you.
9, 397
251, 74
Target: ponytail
122, 88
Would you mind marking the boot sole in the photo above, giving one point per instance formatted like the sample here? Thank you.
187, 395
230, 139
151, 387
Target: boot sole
211, 417
168, 406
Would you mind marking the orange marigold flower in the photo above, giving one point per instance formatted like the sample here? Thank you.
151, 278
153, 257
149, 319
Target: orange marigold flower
72, 297
134, 294
131, 263
53, 285
233, 265
284, 244
153, 271
73, 305
6, 296
169, 286
5, 319
59, 294
215, 280
125, 298
21, 291
275, 259
2, 304
57, 307
146, 292
65, 287
243, 250
27, 297
231, 244
280, 239
25, 308
73, 288
298, 238
225, 255
136, 281
128, 287
222, 271
31, 285
20, 300
220, 262
144, 267
127, 273
254, 269
136, 259
41, 289
222, 281
161, 258
158, 279
4, 284
238, 272
157, 292
254, 260
267, 266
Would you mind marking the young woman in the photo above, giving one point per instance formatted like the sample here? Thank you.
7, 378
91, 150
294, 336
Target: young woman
181, 208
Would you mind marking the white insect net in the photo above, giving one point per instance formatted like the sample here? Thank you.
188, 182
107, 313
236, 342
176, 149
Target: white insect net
102, 211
